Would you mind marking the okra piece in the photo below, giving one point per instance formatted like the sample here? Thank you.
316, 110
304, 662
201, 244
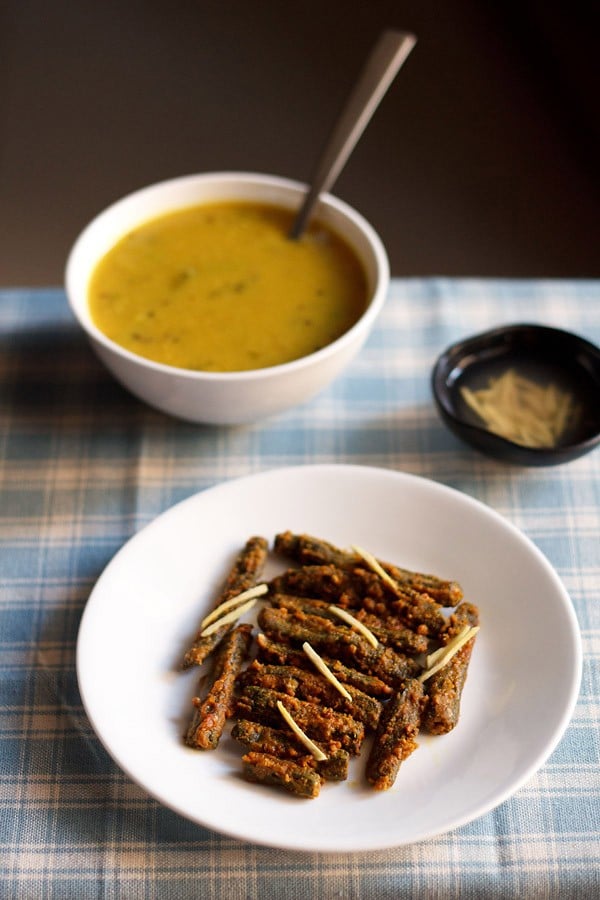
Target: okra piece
444, 689
394, 633
270, 651
309, 605
464, 614
315, 688
359, 588
344, 587
211, 714
444, 592
243, 575
285, 745
370, 684
299, 780
320, 723
326, 582
416, 609
309, 550
395, 738
340, 642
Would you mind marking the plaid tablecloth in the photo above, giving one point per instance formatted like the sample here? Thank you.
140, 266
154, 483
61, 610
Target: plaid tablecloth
83, 466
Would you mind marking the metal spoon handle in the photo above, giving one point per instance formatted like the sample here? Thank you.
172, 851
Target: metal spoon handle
379, 71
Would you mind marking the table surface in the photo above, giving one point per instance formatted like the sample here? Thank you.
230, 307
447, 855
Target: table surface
84, 466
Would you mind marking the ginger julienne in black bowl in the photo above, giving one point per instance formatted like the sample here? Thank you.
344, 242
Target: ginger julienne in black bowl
526, 394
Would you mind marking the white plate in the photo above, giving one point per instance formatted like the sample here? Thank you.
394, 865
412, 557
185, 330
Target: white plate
522, 685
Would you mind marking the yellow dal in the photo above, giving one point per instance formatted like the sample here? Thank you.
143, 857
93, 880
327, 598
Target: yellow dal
221, 288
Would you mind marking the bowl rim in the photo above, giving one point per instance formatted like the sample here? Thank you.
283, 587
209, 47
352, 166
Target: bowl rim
329, 201
470, 432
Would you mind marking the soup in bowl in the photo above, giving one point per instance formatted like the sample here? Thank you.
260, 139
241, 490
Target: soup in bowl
197, 301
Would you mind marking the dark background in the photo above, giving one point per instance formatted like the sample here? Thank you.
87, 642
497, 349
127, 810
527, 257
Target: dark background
481, 161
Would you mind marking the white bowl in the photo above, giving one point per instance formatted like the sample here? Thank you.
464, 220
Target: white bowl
223, 397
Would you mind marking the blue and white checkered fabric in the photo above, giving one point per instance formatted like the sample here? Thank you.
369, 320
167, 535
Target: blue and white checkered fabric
83, 466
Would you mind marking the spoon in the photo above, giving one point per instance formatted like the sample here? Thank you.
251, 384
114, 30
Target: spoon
380, 69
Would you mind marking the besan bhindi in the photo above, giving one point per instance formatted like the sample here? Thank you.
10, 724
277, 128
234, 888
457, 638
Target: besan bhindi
211, 713
390, 630
415, 599
444, 689
297, 779
311, 686
283, 744
339, 642
243, 575
347, 645
319, 722
283, 654
396, 736
309, 550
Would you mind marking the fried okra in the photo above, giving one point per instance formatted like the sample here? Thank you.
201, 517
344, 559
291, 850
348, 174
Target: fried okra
395, 738
349, 645
243, 575
210, 714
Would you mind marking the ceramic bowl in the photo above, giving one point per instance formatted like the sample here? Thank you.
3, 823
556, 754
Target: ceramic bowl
224, 397
542, 353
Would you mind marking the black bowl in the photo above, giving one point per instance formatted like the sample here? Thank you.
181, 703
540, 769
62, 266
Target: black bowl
537, 352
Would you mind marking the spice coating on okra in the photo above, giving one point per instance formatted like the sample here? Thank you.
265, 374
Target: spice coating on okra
270, 651
413, 608
284, 744
297, 779
464, 614
244, 573
320, 723
444, 689
309, 550
309, 605
446, 593
327, 582
348, 587
340, 642
310, 686
210, 714
394, 633
343, 577
390, 631
396, 736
